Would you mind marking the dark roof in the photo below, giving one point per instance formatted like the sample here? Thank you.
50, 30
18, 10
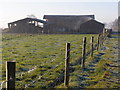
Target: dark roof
94, 21
27, 19
77, 18
72, 16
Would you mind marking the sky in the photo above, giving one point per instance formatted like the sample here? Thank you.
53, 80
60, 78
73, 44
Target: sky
105, 11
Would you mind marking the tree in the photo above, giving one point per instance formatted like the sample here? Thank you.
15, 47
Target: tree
31, 16
119, 23
115, 24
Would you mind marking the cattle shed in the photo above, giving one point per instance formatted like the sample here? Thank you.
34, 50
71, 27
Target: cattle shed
26, 25
72, 24
58, 24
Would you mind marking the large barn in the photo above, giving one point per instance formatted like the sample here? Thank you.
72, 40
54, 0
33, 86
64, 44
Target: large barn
58, 24
72, 24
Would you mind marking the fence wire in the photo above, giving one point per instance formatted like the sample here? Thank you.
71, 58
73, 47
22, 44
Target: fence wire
101, 39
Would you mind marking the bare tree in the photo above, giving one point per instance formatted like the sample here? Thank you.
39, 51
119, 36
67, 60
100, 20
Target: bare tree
115, 24
31, 16
119, 23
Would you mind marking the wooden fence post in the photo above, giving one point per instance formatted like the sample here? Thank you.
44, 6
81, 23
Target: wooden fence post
103, 39
105, 34
67, 59
83, 53
92, 48
10, 75
109, 33
98, 42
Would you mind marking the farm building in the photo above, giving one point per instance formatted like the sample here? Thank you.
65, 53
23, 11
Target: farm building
27, 25
58, 24
72, 24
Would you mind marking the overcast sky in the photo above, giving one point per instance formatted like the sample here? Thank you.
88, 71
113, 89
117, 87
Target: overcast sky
12, 10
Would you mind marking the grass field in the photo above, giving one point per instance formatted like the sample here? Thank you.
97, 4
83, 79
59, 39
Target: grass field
102, 71
40, 58
36, 54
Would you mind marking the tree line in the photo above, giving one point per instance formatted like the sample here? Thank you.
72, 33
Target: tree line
116, 24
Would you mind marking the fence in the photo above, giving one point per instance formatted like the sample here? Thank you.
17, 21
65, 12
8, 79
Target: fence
11, 66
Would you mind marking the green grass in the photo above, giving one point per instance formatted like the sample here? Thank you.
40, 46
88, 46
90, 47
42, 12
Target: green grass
102, 75
42, 52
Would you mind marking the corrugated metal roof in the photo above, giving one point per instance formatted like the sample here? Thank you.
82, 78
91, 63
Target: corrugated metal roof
94, 21
33, 19
67, 16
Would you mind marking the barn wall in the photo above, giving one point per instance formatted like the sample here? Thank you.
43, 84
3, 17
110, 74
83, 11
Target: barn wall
64, 22
54, 28
67, 25
24, 27
60, 24
92, 27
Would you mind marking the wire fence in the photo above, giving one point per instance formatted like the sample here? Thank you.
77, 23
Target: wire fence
65, 73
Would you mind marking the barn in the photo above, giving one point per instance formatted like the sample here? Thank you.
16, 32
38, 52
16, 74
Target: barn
57, 24
72, 24
26, 25
91, 26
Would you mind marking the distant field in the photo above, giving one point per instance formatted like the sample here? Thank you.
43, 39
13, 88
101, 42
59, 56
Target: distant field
36, 55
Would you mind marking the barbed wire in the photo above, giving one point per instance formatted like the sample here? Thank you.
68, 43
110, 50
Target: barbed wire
5, 82
48, 61
43, 74
48, 70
